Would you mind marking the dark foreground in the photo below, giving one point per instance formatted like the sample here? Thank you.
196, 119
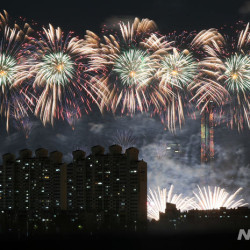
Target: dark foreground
184, 240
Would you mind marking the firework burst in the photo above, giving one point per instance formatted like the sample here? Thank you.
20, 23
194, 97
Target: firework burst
15, 98
177, 69
237, 73
127, 62
176, 72
56, 69
227, 67
157, 200
214, 199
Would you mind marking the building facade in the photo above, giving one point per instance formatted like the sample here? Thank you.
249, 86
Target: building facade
214, 220
97, 192
112, 187
33, 183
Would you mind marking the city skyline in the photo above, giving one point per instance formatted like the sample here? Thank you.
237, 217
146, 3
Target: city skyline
190, 203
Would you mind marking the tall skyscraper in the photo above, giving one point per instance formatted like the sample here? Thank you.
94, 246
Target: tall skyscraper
207, 134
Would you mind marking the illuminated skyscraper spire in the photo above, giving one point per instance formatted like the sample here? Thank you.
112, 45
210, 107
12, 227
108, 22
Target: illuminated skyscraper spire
207, 134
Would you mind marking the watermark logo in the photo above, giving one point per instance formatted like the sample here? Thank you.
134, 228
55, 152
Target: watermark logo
243, 234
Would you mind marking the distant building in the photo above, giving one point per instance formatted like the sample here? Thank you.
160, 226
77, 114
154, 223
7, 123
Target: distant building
202, 220
170, 217
174, 150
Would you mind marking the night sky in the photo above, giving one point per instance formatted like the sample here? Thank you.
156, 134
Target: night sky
168, 14
232, 166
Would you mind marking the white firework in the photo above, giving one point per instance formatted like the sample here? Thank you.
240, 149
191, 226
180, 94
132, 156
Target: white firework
157, 200
214, 199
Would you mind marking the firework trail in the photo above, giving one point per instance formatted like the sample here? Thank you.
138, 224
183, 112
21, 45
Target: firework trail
157, 200
214, 199
161, 150
228, 67
57, 71
15, 98
72, 114
124, 138
126, 62
23, 123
